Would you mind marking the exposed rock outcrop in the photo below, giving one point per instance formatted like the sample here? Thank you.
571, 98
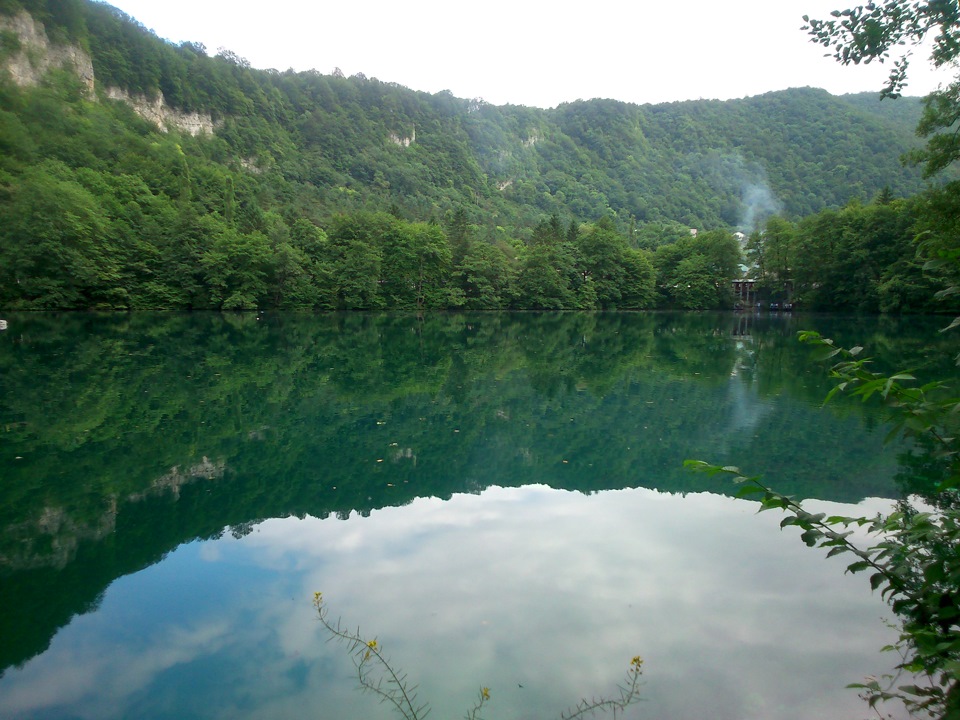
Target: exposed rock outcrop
52, 539
177, 478
405, 141
162, 115
37, 55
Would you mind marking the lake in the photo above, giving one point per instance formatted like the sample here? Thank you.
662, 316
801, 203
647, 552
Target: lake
499, 500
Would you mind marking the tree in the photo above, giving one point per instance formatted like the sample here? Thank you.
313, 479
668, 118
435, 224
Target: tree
941, 112
892, 29
543, 279
601, 251
695, 273
913, 558
879, 31
616, 274
778, 240
548, 232
695, 287
639, 290
458, 234
357, 259
484, 277
236, 267
416, 266
52, 250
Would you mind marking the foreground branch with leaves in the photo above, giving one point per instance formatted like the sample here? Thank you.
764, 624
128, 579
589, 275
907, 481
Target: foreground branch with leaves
913, 555
377, 675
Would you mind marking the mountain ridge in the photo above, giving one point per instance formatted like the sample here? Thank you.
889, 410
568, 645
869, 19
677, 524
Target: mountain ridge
139, 174
688, 148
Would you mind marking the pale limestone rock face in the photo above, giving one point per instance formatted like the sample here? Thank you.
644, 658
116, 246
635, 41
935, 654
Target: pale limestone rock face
162, 115
52, 539
37, 56
405, 141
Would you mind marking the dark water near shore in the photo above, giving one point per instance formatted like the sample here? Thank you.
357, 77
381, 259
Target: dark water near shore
499, 498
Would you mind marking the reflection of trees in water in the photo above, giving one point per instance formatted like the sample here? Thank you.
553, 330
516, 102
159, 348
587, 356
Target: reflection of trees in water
324, 416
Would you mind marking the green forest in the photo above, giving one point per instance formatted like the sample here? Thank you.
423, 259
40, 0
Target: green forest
324, 192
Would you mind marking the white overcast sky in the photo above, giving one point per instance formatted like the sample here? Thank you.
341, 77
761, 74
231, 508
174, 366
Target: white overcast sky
533, 52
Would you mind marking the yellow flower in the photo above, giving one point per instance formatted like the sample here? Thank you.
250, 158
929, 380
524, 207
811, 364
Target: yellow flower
485, 692
317, 599
637, 661
372, 644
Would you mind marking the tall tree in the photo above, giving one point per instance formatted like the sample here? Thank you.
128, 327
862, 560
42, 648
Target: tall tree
458, 234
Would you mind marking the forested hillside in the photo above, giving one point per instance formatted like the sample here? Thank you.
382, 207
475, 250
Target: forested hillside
175, 178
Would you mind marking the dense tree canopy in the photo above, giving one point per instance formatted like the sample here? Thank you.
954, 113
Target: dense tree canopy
326, 192
891, 30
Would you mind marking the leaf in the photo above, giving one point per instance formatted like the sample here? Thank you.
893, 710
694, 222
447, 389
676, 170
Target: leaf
829, 354
951, 326
858, 566
833, 391
902, 376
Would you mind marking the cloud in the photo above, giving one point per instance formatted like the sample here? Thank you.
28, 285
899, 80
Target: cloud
548, 589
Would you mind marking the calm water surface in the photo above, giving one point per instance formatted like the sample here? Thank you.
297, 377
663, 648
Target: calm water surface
499, 499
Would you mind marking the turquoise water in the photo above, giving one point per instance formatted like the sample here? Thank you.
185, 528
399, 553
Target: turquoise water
499, 499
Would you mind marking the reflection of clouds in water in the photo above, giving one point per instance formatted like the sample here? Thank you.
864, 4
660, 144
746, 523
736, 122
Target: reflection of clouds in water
94, 680
569, 588
549, 589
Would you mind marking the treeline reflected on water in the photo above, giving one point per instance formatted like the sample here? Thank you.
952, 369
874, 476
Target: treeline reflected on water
125, 436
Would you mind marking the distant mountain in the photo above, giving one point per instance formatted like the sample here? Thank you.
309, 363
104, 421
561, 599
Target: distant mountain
138, 174
337, 143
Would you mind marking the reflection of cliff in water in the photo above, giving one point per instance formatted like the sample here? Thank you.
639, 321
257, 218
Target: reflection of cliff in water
110, 422
52, 538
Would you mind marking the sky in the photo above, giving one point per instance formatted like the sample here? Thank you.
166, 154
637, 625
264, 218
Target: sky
532, 52
543, 595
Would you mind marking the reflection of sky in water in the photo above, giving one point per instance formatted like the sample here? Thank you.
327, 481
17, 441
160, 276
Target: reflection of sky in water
549, 590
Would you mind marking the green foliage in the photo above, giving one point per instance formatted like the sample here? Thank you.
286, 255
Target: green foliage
880, 31
52, 243
619, 276
546, 277
164, 213
694, 273
877, 31
892, 255
914, 558
416, 262
485, 277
